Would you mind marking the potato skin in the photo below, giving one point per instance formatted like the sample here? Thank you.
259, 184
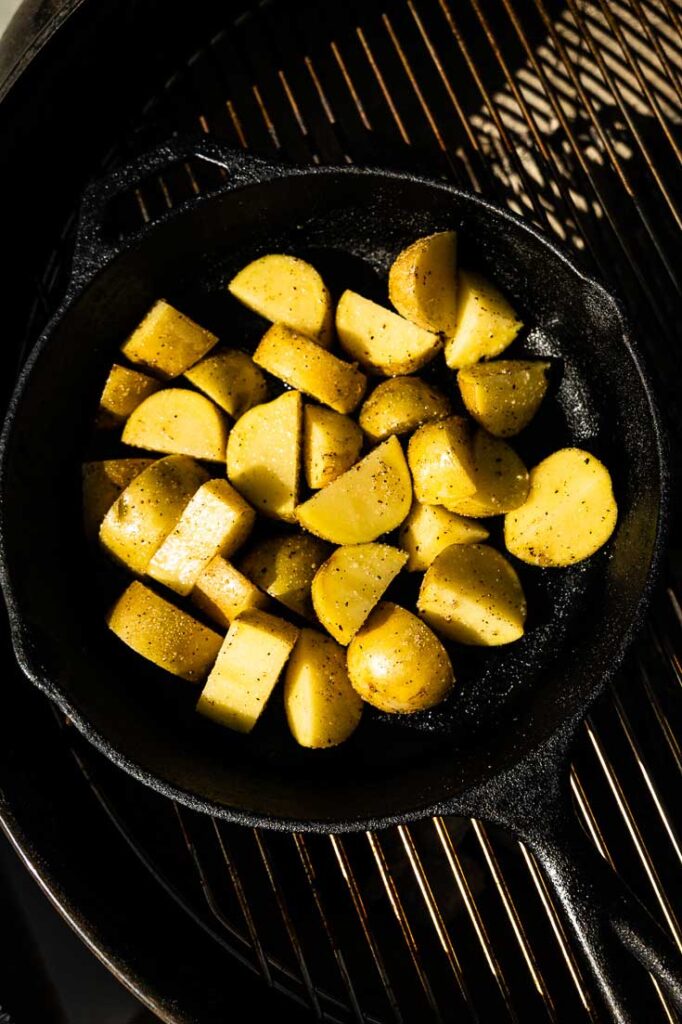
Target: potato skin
505, 394
422, 282
322, 708
400, 405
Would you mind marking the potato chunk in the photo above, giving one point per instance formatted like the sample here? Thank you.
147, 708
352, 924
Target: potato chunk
500, 476
223, 593
300, 362
231, 379
373, 497
400, 405
570, 511
284, 567
472, 594
322, 707
124, 390
167, 342
164, 634
429, 529
249, 664
289, 291
102, 483
422, 282
264, 455
486, 323
216, 521
441, 462
380, 339
179, 422
350, 584
504, 396
144, 514
331, 445
397, 664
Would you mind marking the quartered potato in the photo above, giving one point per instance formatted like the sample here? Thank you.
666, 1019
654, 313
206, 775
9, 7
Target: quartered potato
301, 363
288, 291
429, 529
422, 282
472, 594
231, 379
331, 445
102, 483
322, 708
381, 340
167, 342
370, 499
500, 477
123, 391
264, 455
350, 583
179, 422
284, 567
396, 663
400, 405
249, 664
223, 593
486, 323
441, 462
163, 633
504, 395
570, 511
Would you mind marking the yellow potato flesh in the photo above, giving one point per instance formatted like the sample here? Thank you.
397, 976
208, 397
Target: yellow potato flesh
322, 708
179, 422
422, 282
380, 339
102, 483
396, 663
570, 511
164, 634
231, 379
289, 291
472, 594
503, 396
370, 499
124, 390
216, 521
350, 583
500, 477
441, 462
167, 342
486, 323
400, 405
284, 567
429, 529
246, 670
331, 445
223, 593
147, 510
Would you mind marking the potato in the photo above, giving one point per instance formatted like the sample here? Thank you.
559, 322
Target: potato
429, 529
216, 521
331, 445
249, 664
179, 422
163, 634
422, 282
289, 291
167, 342
300, 362
102, 483
503, 396
570, 511
500, 476
322, 708
231, 379
144, 514
440, 458
123, 391
372, 498
223, 593
472, 594
284, 568
264, 455
400, 405
381, 340
350, 583
397, 664
486, 323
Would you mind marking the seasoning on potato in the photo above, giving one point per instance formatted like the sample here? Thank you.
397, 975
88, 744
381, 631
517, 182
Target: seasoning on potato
381, 340
231, 379
400, 405
178, 422
284, 567
504, 395
167, 342
222, 592
486, 322
103, 481
499, 475
429, 529
123, 391
441, 462
331, 445
422, 282
321, 706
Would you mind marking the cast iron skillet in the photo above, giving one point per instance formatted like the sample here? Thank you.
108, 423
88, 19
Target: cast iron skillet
499, 749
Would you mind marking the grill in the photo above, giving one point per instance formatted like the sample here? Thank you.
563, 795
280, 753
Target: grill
569, 114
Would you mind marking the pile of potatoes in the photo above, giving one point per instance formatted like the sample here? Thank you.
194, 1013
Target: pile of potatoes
368, 477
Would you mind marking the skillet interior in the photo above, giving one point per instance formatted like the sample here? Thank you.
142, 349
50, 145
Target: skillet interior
350, 225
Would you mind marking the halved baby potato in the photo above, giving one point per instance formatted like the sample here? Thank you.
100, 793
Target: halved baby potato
322, 708
500, 477
422, 282
381, 340
472, 594
486, 322
223, 593
400, 405
123, 391
429, 529
284, 567
178, 422
102, 483
167, 342
331, 445
231, 379
504, 395
440, 458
